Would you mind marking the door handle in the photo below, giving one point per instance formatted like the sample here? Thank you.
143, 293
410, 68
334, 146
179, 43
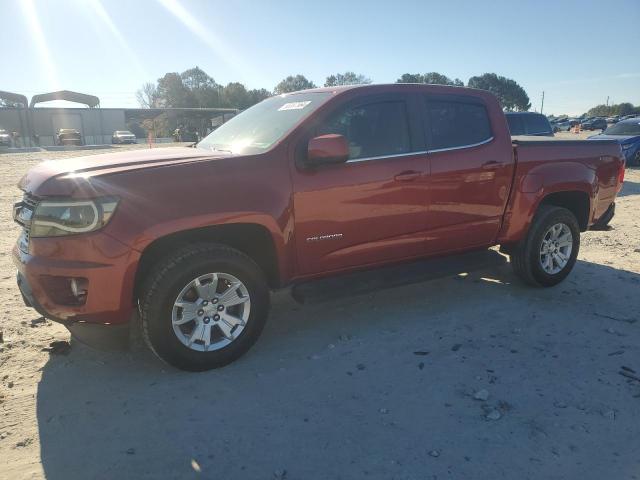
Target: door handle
407, 176
491, 165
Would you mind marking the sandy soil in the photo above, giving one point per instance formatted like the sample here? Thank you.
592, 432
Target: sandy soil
373, 386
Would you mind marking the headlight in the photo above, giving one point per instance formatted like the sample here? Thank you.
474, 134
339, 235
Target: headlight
54, 218
627, 146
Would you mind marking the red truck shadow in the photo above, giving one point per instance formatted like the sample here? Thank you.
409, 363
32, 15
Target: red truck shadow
364, 380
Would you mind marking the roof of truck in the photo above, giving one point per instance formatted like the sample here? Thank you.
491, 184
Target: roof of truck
393, 86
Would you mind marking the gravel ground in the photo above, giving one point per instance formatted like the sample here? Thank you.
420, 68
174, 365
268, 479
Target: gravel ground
474, 376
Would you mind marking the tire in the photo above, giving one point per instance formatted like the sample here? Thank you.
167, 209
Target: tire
527, 256
636, 159
163, 288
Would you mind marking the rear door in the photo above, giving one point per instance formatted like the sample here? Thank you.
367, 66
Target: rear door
372, 208
470, 172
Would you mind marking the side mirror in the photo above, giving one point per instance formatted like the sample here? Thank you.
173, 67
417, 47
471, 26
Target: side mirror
327, 149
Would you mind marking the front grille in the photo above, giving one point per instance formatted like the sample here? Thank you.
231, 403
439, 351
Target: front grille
30, 200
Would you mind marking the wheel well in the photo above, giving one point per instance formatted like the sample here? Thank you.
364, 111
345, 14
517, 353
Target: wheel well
575, 201
253, 240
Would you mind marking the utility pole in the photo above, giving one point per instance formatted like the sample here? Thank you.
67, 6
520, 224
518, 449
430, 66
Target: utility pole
542, 104
607, 100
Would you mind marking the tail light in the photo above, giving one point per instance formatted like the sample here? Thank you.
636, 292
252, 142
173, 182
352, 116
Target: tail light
621, 176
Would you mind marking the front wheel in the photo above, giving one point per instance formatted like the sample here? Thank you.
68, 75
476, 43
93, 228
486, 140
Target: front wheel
548, 253
203, 307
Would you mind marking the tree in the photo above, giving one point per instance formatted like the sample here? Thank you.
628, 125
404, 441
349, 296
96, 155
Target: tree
147, 95
235, 95
439, 79
257, 95
158, 126
206, 92
172, 93
510, 95
624, 108
411, 78
293, 84
346, 78
431, 78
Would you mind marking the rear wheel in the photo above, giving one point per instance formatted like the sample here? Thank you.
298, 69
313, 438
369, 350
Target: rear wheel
203, 307
548, 253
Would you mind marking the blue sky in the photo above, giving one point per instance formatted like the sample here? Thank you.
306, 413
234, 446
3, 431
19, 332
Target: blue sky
578, 52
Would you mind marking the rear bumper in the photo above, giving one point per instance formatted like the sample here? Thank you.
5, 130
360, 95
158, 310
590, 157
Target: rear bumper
603, 222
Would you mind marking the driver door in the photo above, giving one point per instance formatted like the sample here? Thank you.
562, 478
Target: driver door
371, 209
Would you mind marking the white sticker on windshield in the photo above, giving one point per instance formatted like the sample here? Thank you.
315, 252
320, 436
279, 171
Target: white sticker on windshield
294, 106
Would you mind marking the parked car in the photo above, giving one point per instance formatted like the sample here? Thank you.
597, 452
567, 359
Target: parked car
324, 181
529, 123
5, 138
123, 136
565, 125
68, 136
627, 133
613, 120
594, 124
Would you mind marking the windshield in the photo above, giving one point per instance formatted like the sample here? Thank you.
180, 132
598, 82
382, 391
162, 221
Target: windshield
259, 127
624, 128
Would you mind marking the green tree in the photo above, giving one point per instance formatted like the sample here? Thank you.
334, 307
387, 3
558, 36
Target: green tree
171, 92
257, 95
600, 111
431, 78
511, 96
346, 78
436, 78
205, 91
235, 95
411, 78
624, 108
293, 84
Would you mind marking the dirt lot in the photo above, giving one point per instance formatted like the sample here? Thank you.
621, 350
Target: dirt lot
374, 386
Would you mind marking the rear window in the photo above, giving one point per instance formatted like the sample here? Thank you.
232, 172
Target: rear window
536, 124
454, 124
516, 126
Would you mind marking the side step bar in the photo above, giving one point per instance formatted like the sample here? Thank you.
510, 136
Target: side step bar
359, 283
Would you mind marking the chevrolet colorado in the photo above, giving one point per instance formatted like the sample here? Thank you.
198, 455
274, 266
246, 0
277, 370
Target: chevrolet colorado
300, 186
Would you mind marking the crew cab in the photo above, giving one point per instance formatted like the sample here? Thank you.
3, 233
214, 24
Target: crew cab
299, 187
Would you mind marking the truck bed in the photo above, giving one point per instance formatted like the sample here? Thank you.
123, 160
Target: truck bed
550, 141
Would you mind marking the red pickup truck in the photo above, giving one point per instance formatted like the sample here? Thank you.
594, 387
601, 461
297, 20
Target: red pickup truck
298, 187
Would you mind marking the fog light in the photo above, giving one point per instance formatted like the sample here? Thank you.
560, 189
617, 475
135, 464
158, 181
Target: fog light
76, 289
66, 290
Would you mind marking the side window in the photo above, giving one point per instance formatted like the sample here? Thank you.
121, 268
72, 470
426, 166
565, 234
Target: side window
537, 124
372, 130
457, 124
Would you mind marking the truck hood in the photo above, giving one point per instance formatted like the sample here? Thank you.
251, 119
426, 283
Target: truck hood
68, 176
